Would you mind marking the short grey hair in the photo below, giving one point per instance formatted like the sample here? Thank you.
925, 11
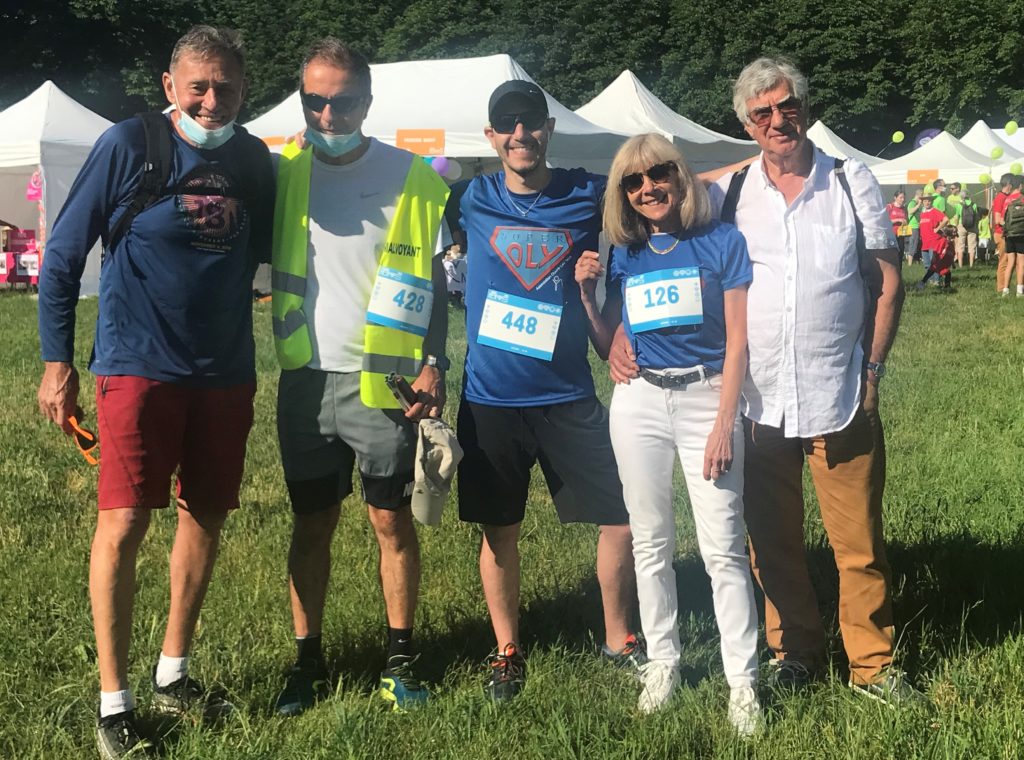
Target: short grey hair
763, 75
205, 42
335, 52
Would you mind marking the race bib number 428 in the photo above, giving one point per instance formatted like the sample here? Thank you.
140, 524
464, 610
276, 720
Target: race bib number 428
665, 298
519, 325
401, 301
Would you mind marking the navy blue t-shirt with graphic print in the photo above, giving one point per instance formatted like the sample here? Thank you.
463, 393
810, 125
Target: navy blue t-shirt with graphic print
176, 292
522, 252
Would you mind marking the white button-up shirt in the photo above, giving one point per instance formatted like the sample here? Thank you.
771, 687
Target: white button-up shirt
806, 305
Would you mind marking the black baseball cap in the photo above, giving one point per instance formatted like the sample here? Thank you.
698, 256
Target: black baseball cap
521, 89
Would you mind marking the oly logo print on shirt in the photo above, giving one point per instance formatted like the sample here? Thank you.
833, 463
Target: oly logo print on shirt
531, 253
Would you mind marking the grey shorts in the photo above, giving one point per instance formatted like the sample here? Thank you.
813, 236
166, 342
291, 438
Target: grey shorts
324, 429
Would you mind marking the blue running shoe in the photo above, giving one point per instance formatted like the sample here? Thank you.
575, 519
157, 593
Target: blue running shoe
632, 655
508, 674
399, 686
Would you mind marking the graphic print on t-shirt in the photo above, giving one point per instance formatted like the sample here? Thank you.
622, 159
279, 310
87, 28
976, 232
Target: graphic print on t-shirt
208, 203
531, 253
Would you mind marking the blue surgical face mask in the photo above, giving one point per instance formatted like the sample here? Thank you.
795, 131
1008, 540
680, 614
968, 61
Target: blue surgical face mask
200, 135
333, 145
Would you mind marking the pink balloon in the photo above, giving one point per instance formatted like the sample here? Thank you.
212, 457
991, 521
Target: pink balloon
440, 165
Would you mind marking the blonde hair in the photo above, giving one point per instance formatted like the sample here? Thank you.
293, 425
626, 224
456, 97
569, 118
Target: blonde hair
622, 224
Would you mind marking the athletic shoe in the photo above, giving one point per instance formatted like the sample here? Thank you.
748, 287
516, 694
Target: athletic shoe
117, 737
788, 675
188, 695
892, 689
508, 674
660, 683
1004, 292
399, 686
632, 655
304, 684
745, 711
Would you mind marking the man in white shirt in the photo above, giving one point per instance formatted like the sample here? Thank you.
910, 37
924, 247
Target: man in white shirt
823, 310
358, 293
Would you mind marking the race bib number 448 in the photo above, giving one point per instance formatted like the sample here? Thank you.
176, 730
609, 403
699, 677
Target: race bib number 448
665, 298
519, 325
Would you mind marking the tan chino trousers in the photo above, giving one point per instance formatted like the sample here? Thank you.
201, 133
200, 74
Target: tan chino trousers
848, 470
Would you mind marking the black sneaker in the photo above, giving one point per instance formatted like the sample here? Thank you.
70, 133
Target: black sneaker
117, 737
187, 695
304, 685
632, 655
399, 686
788, 675
508, 674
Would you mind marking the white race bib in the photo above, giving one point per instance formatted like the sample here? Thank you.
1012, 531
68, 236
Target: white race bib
665, 298
402, 301
519, 325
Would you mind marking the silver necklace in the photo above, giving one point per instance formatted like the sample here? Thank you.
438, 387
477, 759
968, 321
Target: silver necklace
519, 208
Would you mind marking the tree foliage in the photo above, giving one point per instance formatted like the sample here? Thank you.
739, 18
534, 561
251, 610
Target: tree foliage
874, 66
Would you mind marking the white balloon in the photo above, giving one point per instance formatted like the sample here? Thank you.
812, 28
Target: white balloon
454, 170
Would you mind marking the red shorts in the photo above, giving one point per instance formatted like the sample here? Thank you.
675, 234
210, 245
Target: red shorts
148, 429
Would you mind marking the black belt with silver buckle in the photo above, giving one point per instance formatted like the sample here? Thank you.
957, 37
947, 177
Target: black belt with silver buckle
676, 381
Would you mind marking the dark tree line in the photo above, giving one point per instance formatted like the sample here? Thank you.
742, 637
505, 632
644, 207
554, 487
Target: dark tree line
875, 66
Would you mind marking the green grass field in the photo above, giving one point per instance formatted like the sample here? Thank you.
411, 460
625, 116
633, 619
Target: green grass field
953, 508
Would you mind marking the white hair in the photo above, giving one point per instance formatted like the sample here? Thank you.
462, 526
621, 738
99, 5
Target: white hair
763, 75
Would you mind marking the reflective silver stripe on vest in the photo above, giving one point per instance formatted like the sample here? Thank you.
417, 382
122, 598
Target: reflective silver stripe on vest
291, 322
382, 364
288, 283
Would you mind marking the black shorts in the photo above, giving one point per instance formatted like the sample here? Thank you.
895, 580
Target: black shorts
1014, 244
570, 441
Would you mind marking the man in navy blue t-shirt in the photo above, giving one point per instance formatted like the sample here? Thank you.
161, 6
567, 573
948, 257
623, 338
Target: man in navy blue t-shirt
173, 355
528, 394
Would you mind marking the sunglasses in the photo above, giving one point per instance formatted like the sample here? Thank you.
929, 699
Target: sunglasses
658, 174
338, 104
789, 109
505, 124
85, 440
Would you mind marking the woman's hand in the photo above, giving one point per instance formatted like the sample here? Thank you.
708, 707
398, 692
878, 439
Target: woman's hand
588, 271
718, 452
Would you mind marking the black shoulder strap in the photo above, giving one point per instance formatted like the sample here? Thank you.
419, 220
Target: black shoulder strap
841, 174
732, 196
156, 172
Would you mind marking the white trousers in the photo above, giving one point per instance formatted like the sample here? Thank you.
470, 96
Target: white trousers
648, 426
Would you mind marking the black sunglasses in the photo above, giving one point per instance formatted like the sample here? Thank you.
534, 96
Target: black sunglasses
790, 109
659, 173
505, 124
338, 104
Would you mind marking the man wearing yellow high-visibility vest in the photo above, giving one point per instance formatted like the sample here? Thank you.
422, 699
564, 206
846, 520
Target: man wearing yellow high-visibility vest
356, 228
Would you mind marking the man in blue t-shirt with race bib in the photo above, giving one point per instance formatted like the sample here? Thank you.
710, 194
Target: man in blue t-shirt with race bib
529, 395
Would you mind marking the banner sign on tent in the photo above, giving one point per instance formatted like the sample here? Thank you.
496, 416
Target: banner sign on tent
921, 176
423, 142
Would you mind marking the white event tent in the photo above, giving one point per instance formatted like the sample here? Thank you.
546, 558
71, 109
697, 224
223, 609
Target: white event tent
833, 145
1016, 139
52, 132
626, 105
451, 95
944, 156
982, 138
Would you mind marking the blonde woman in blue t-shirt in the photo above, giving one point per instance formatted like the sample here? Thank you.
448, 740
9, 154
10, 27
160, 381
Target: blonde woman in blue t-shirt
678, 288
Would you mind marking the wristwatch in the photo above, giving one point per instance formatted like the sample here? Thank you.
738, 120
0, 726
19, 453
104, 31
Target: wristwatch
443, 363
878, 368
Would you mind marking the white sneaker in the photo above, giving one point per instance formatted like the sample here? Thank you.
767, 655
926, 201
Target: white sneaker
744, 711
1005, 292
660, 683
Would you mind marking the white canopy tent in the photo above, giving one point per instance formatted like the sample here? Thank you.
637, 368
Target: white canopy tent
54, 133
982, 138
834, 145
944, 156
451, 95
627, 106
1016, 139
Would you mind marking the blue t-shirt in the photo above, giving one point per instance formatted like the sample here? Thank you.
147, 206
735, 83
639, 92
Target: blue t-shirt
720, 253
530, 256
175, 296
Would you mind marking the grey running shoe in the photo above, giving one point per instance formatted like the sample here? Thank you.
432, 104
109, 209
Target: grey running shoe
892, 689
508, 674
632, 655
304, 685
187, 695
117, 737
788, 675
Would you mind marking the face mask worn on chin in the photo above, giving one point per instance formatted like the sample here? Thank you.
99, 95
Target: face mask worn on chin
200, 135
333, 145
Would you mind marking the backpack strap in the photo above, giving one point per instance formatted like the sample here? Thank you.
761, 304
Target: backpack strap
732, 196
845, 182
156, 171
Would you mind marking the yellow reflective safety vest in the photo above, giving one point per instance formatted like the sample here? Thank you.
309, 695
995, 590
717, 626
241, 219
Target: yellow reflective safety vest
408, 248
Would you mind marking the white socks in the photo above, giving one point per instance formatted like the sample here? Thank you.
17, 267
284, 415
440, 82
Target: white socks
170, 669
114, 702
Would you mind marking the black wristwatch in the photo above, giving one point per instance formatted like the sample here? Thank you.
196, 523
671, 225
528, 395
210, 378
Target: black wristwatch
878, 368
443, 363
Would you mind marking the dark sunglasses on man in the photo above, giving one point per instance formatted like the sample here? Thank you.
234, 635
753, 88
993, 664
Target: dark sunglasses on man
338, 104
505, 123
85, 439
789, 109
658, 174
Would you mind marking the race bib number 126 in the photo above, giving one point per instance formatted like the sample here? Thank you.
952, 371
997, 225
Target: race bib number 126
666, 298
519, 325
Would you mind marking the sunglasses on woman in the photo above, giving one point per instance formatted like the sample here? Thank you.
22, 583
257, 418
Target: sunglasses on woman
658, 174
789, 109
338, 104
